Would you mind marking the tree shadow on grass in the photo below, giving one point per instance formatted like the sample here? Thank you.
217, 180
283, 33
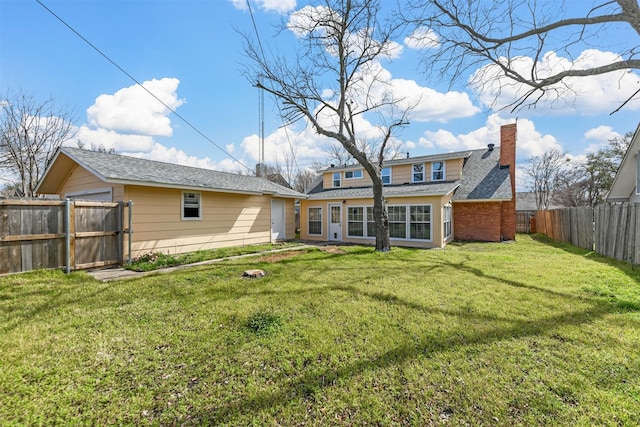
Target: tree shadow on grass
308, 383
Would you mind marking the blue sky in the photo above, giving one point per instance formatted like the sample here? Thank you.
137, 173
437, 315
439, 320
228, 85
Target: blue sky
189, 54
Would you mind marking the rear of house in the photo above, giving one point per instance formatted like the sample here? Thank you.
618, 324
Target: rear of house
431, 200
177, 208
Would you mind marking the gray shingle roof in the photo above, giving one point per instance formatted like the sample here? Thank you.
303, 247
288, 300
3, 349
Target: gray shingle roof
132, 170
428, 189
483, 178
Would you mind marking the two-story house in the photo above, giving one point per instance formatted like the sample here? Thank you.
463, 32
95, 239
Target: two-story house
431, 200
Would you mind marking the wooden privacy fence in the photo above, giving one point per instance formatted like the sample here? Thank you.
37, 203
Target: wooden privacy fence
65, 234
611, 230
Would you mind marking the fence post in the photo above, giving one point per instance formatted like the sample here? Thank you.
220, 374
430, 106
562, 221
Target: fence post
120, 227
130, 230
67, 232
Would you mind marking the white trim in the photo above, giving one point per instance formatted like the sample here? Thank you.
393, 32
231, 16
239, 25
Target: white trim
444, 171
321, 222
353, 173
413, 173
390, 175
190, 218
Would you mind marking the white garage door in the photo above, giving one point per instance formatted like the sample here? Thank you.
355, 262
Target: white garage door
101, 195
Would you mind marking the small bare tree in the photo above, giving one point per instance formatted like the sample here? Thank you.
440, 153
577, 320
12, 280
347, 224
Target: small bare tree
543, 175
30, 133
333, 83
515, 35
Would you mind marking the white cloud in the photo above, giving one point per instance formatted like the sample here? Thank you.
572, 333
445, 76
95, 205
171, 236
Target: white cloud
529, 141
377, 85
173, 155
585, 95
133, 110
422, 38
279, 6
306, 20
599, 137
107, 138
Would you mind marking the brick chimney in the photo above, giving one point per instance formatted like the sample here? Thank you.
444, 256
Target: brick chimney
508, 159
508, 150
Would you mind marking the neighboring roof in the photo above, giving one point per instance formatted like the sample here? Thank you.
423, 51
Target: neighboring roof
120, 169
526, 201
426, 189
624, 183
483, 178
409, 160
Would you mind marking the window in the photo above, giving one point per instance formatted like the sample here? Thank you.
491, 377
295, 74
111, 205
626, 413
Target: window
191, 206
355, 221
446, 220
315, 221
411, 222
437, 171
418, 173
336, 179
397, 221
371, 223
357, 174
357, 224
386, 176
420, 222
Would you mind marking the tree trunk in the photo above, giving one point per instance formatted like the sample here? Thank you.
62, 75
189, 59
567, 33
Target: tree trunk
381, 218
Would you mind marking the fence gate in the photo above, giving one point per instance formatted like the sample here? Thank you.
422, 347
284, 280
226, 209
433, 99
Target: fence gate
68, 234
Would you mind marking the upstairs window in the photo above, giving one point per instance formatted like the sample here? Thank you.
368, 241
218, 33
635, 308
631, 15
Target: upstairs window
357, 174
191, 206
386, 176
437, 171
418, 173
336, 179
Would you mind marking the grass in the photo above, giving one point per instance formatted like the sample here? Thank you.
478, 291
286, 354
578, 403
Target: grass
157, 260
528, 333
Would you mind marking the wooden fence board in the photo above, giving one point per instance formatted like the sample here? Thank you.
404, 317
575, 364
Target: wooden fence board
33, 235
611, 230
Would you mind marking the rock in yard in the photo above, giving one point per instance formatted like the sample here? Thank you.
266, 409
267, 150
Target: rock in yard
254, 274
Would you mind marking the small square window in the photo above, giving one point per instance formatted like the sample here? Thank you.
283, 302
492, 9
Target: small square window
336, 179
386, 176
191, 207
418, 173
357, 174
437, 171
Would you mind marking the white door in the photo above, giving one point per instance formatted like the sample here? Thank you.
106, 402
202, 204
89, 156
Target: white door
335, 222
277, 220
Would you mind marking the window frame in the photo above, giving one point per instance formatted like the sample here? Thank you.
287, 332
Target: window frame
447, 221
443, 171
353, 173
361, 221
336, 178
184, 217
383, 175
319, 220
413, 172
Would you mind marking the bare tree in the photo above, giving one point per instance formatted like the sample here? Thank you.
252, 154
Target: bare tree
30, 133
305, 180
543, 175
513, 36
333, 83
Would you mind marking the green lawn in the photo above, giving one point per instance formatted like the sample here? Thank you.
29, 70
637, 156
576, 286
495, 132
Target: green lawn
525, 333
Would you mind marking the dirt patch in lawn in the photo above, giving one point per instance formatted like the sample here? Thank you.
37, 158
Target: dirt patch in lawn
332, 250
279, 256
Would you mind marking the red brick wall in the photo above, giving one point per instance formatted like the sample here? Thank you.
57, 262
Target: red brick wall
508, 220
477, 221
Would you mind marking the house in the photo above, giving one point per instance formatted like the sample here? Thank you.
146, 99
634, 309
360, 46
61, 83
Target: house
176, 208
626, 184
526, 202
431, 200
